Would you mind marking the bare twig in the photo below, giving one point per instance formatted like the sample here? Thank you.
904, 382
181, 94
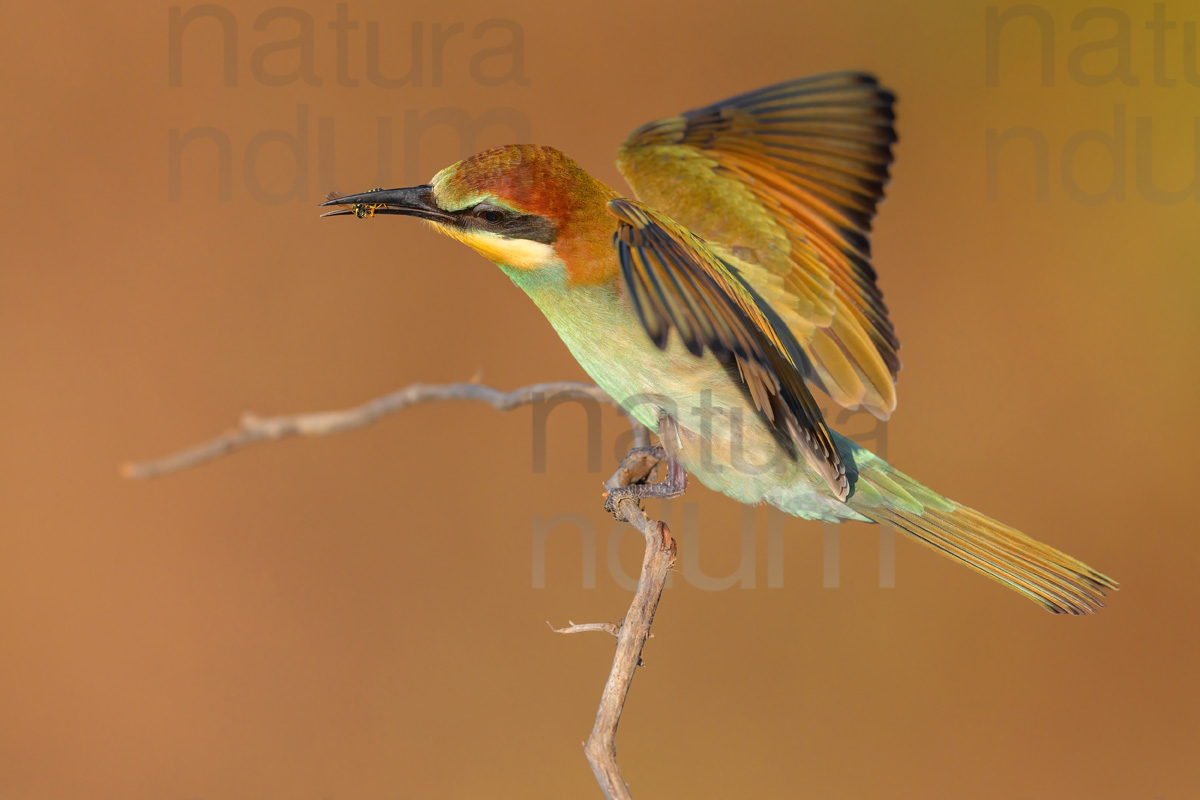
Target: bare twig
634, 629
255, 429
587, 627
601, 747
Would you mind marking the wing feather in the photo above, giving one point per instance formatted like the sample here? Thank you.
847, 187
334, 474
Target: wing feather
785, 181
675, 281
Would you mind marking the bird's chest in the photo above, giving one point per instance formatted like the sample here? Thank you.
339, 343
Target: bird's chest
603, 333
721, 437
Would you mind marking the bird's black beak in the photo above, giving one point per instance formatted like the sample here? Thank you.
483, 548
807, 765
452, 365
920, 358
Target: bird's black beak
415, 201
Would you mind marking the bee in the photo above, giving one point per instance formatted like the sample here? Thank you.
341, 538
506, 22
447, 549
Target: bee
360, 210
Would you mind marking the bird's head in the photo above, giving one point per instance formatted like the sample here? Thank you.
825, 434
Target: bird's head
524, 207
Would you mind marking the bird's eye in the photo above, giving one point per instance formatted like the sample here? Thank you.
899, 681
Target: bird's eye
490, 215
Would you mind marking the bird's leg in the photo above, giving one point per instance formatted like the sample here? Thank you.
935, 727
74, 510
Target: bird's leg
652, 453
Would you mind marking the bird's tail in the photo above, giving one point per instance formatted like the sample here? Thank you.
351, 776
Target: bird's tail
1050, 578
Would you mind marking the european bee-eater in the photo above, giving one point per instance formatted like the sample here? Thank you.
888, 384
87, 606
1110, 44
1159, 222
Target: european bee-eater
749, 239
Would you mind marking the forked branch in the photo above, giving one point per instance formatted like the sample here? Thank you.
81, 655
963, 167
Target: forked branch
637, 467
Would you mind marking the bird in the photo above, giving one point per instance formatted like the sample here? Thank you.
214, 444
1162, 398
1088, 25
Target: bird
736, 280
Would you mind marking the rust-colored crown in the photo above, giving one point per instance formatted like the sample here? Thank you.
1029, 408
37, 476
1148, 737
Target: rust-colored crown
531, 178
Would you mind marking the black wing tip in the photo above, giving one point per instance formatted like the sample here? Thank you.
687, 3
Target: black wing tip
810, 84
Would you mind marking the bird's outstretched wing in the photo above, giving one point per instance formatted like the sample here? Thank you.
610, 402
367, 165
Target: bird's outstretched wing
783, 182
675, 281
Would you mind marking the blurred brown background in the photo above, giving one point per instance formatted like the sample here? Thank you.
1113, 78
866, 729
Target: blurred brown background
354, 617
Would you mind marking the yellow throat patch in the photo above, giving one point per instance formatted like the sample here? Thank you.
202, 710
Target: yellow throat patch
516, 253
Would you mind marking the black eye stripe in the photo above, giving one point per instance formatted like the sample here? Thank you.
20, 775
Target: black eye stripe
529, 226
510, 225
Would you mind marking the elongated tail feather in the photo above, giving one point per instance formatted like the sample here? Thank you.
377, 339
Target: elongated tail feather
1053, 579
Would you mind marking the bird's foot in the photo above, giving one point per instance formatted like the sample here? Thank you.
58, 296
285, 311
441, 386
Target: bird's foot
673, 486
